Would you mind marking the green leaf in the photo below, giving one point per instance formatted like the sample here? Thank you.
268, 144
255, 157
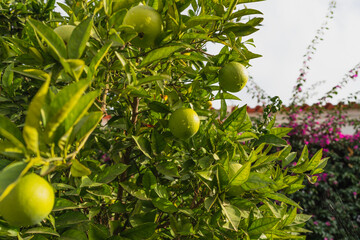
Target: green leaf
42, 230
159, 107
222, 177
61, 106
140, 232
73, 234
78, 170
233, 214
80, 109
203, 19
10, 175
151, 79
9, 131
143, 144
223, 108
315, 160
262, 225
71, 218
134, 190
239, 29
282, 198
98, 232
51, 38
280, 132
226, 95
241, 175
237, 115
158, 142
74, 67
111, 172
149, 180
79, 38
32, 121
8, 149
7, 79
164, 205
246, 136
288, 159
244, 12
168, 169
32, 73
159, 54
63, 204
96, 60
270, 139
291, 217
230, 9
85, 126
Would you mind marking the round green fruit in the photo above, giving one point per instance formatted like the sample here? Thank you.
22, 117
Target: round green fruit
29, 202
184, 123
65, 31
146, 22
233, 77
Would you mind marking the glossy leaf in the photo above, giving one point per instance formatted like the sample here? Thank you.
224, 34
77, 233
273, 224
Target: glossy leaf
63, 103
52, 39
282, 198
241, 175
42, 230
159, 54
10, 175
237, 115
78, 169
9, 131
32, 127
79, 38
79, 110
261, 225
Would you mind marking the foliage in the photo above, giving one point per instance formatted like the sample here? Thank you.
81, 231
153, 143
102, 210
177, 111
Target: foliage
129, 177
336, 189
332, 199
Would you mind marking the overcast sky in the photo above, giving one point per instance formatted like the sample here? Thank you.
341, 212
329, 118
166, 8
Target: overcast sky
288, 28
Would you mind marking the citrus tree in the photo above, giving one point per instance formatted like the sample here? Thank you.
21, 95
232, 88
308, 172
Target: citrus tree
110, 105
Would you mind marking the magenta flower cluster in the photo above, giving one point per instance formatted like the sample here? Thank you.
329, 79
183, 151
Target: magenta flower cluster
319, 128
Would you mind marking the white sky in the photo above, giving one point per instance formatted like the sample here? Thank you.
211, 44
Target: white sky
288, 28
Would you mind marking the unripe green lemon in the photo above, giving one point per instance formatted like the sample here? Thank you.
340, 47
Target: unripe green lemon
65, 31
233, 77
184, 123
29, 202
146, 22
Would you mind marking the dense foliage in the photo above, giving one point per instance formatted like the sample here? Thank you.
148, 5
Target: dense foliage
91, 116
333, 199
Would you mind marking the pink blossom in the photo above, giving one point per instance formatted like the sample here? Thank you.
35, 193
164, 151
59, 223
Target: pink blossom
327, 223
355, 194
316, 223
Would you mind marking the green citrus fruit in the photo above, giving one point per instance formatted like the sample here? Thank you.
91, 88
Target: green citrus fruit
29, 202
146, 22
65, 31
184, 123
233, 77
